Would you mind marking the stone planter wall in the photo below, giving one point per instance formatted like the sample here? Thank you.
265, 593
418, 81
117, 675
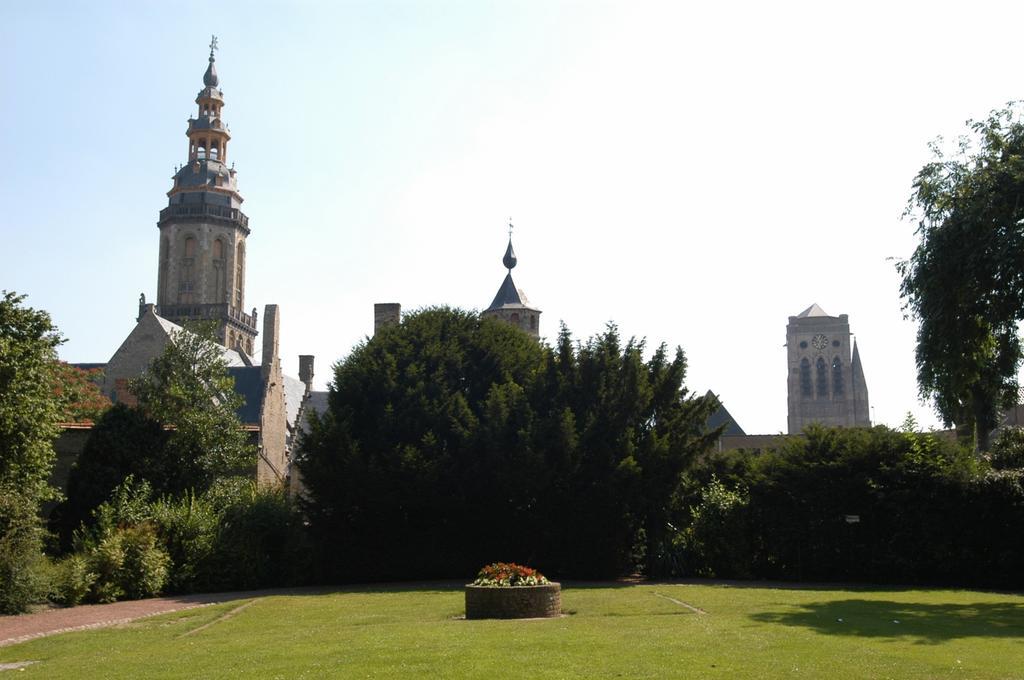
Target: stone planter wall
524, 602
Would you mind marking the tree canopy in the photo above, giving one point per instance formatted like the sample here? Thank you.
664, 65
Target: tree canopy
451, 441
964, 283
29, 409
182, 436
29, 413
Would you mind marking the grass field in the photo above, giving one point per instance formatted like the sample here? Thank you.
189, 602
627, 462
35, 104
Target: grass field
610, 630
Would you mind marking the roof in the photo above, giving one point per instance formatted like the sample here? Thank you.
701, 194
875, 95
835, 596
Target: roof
813, 310
231, 357
249, 384
294, 391
88, 366
723, 417
509, 296
315, 403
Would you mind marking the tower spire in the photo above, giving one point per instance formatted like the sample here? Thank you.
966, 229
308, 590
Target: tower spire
510, 255
203, 229
510, 304
210, 77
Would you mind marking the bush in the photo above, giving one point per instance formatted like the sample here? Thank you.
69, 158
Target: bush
716, 542
861, 504
72, 580
24, 571
1008, 450
258, 541
188, 527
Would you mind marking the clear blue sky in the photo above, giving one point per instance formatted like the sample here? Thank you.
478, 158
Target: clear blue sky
694, 173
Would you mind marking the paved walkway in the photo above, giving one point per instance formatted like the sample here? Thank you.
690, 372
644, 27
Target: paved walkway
15, 629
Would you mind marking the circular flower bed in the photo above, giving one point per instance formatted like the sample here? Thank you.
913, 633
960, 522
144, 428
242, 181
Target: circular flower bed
511, 591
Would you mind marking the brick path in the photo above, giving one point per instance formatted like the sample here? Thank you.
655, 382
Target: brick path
15, 629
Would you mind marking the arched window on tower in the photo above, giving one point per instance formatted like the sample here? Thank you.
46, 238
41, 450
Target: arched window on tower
239, 274
219, 272
806, 389
837, 377
821, 379
187, 282
214, 153
163, 284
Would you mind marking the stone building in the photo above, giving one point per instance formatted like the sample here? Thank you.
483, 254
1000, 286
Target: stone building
201, 277
203, 230
510, 304
825, 378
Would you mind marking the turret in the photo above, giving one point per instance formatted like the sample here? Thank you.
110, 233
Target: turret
510, 304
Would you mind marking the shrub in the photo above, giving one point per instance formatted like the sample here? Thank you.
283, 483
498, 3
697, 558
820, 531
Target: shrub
256, 544
188, 527
1008, 450
716, 542
72, 580
24, 572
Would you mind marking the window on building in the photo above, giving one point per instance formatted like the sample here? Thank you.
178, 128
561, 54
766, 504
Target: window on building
821, 379
187, 282
837, 377
806, 389
239, 274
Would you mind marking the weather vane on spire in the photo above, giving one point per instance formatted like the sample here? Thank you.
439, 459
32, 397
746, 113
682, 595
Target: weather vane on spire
213, 44
510, 227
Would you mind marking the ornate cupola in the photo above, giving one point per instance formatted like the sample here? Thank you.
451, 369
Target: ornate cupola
203, 230
510, 304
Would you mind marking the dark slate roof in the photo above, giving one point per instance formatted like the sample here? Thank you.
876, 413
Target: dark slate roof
510, 257
210, 77
294, 391
509, 296
723, 417
317, 403
249, 384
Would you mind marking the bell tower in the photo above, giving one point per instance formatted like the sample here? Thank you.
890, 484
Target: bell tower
510, 304
203, 229
826, 379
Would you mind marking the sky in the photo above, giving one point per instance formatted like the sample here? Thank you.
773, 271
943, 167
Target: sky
695, 173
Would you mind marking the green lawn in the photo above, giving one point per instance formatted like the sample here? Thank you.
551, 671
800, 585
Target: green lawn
629, 631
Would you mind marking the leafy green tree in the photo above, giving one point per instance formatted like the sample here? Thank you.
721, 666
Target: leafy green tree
451, 441
29, 413
182, 436
964, 283
188, 390
123, 442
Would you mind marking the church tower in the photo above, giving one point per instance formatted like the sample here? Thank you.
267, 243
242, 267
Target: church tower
510, 304
826, 379
203, 230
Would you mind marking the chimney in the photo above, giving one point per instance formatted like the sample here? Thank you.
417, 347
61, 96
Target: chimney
386, 314
306, 371
271, 335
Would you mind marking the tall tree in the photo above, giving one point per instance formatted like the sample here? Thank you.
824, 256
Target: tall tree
964, 283
188, 389
451, 441
29, 413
